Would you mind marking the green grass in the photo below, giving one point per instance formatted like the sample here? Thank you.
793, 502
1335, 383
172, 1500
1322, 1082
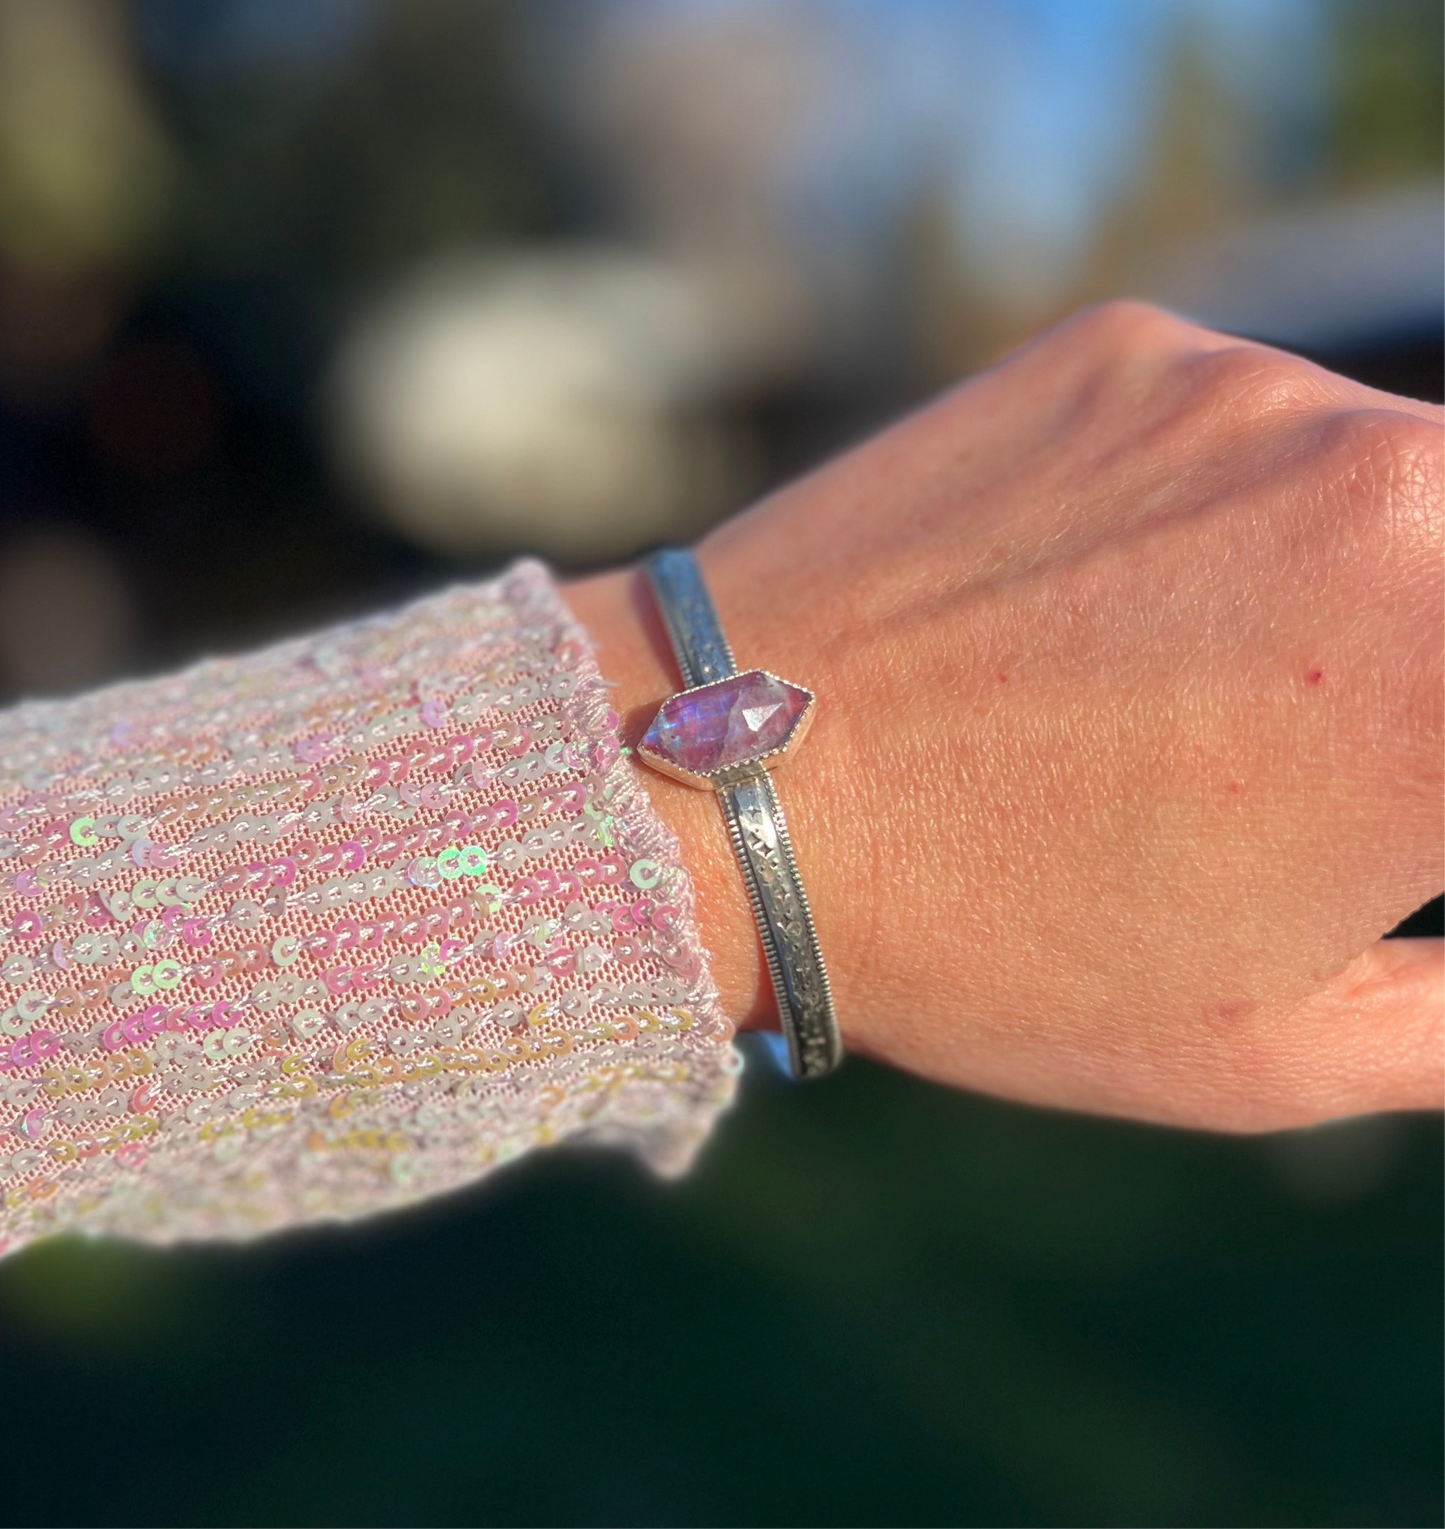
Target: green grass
874, 1302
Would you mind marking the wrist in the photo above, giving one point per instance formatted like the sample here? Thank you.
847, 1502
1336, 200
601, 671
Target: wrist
635, 656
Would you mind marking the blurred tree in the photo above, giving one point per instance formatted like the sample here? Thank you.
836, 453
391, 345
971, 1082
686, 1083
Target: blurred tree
84, 169
1387, 97
311, 184
1191, 177
948, 327
86, 177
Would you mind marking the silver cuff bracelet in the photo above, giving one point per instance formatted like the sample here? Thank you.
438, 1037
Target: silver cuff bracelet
725, 731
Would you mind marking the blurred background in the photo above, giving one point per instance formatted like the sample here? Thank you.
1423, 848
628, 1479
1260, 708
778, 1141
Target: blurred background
310, 305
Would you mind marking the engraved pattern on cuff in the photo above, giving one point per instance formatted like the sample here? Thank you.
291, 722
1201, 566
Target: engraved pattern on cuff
759, 833
703, 653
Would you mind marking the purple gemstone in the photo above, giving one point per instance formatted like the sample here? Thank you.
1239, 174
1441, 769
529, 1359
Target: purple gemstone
728, 723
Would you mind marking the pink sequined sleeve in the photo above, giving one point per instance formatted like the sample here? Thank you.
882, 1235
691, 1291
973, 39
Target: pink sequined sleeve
334, 926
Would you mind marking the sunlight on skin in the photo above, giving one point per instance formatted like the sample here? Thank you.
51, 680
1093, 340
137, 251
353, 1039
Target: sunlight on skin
1129, 729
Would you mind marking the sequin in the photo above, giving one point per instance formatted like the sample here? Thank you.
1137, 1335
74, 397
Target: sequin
423, 872
286, 949
337, 925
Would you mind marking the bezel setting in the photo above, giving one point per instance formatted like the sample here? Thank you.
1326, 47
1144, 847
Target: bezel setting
748, 768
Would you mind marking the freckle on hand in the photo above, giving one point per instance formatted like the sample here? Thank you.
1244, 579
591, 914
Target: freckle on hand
1236, 1008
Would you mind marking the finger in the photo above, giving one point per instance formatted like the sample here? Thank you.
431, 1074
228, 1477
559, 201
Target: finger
1372, 1037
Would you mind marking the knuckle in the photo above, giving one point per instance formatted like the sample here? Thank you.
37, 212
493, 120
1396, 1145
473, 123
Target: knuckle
1177, 372
1123, 324
1372, 439
1246, 381
1388, 469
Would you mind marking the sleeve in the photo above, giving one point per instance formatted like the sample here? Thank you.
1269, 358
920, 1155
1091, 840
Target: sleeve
338, 925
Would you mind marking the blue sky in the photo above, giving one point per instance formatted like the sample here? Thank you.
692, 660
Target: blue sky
1030, 114
1027, 115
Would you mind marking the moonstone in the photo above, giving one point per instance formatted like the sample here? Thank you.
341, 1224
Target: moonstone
728, 723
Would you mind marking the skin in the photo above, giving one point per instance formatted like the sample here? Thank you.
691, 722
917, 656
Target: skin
1128, 742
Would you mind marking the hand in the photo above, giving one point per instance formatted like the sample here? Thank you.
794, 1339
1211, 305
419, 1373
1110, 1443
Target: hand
1128, 742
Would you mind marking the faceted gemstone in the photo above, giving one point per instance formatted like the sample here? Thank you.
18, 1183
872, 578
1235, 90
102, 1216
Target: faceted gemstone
730, 722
